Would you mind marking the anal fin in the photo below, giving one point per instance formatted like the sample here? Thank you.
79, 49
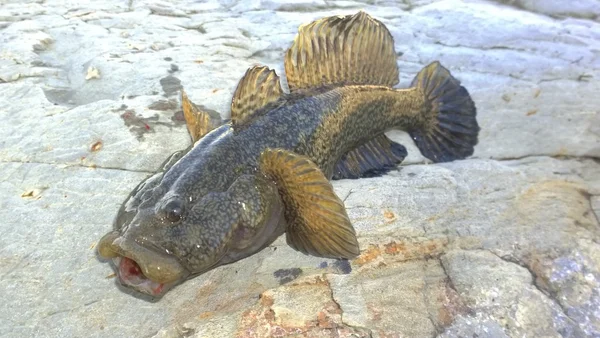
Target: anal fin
317, 222
373, 158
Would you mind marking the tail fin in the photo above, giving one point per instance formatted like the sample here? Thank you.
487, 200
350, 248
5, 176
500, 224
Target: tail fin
454, 132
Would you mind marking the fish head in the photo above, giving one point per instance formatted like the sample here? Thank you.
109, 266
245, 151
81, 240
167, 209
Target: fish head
163, 237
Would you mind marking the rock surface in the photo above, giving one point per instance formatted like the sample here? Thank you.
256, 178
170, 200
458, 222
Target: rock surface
503, 245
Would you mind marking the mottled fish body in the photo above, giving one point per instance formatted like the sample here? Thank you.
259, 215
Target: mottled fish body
267, 171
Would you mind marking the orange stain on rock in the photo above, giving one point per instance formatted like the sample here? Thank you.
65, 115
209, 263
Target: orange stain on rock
324, 321
265, 319
394, 248
318, 280
266, 300
389, 216
368, 255
374, 313
205, 314
402, 251
96, 146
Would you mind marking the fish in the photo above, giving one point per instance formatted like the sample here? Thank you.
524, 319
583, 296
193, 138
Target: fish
267, 171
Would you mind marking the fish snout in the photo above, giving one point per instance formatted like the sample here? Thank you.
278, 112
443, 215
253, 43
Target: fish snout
105, 247
145, 269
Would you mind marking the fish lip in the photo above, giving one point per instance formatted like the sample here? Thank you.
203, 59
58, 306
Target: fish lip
142, 285
157, 265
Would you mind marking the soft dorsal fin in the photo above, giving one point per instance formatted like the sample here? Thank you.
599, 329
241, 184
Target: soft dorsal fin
259, 87
342, 50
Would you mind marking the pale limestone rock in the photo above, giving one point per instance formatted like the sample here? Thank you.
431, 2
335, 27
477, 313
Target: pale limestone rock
589, 9
490, 247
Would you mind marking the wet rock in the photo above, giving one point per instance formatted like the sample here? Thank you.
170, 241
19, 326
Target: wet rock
164, 105
287, 275
170, 85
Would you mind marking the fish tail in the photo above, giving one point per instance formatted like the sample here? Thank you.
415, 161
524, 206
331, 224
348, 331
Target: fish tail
451, 132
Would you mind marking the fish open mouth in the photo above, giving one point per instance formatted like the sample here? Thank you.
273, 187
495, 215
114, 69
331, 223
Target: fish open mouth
145, 270
130, 274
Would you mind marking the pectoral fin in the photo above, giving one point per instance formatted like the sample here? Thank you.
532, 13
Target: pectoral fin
199, 122
317, 220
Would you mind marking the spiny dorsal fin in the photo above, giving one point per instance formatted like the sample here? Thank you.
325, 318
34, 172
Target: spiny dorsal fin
259, 87
373, 158
316, 217
342, 50
199, 122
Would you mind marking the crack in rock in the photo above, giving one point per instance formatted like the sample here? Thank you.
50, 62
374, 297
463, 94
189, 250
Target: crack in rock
54, 313
550, 296
304, 306
355, 327
70, 165
438, 328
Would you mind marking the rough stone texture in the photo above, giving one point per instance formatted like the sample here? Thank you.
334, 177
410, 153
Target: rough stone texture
503, 245
589, 9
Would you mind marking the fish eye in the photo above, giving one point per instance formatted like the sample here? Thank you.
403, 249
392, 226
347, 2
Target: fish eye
173, 211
